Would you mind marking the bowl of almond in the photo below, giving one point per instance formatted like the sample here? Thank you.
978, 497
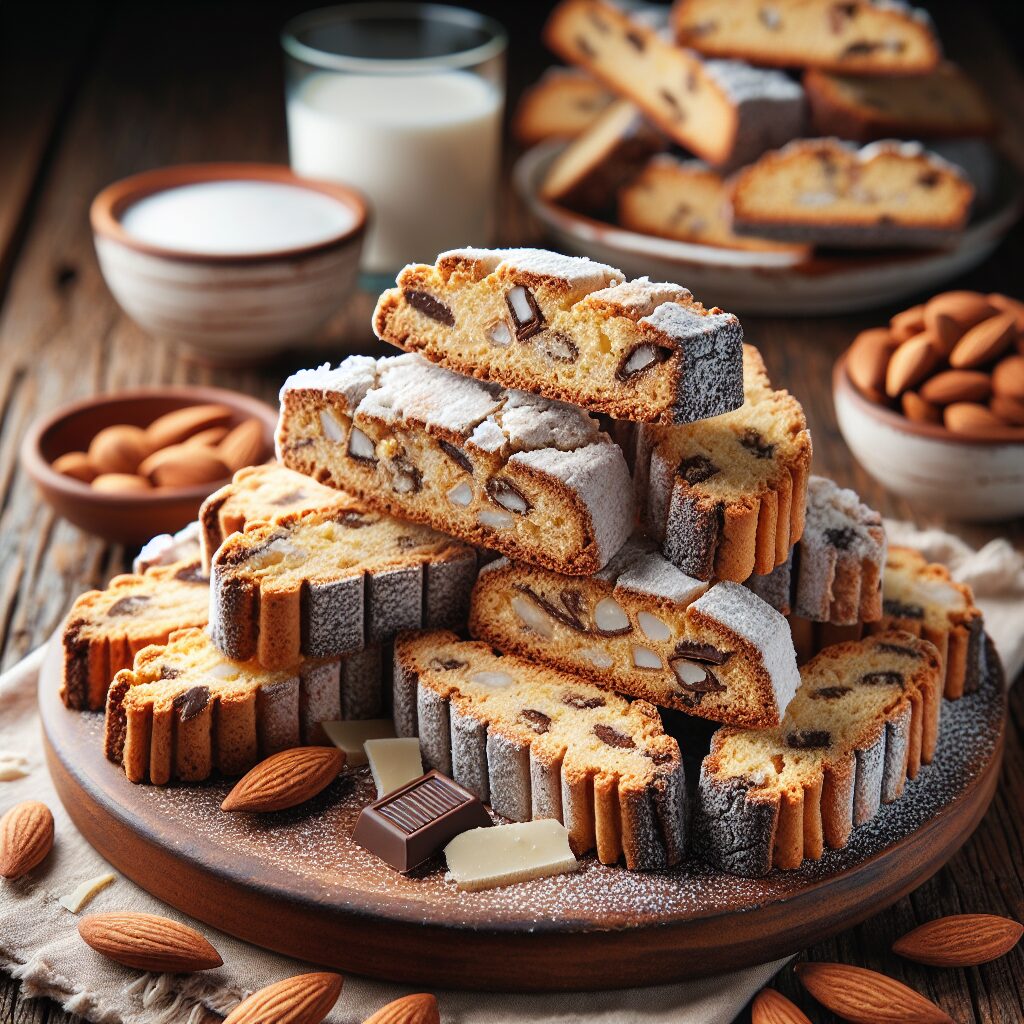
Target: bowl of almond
133, 464
932, 405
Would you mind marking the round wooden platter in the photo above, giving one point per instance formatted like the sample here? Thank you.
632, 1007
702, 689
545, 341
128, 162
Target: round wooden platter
294, 882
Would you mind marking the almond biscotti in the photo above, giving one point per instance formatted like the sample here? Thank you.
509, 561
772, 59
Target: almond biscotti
105, 629
185, 712
862, 37
570, 329
827, 192
537, 743
725, 497
725, 112
561, 104
863, 721
642, 627
525, 476
330, 581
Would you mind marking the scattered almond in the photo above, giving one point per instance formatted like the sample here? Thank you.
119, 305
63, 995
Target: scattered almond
905, 325
983, 342
285, 779
917, 409
960, 940
174, 427
972, 420
771, 1007
867, 997
119, 449
244, 446
26, 837
304, 999
910, 364
957, 386
77, 465
209, 438
1007, 305
1010, 410
121, 483
148, 942
182, 465
869, 356
1008, 377
964, 308
420, 1008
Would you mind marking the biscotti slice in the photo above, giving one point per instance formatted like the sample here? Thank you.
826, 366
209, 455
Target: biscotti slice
643, 628
687, 201
185, 712
262, 493
537, 743
561, 104
105, 629
725, 497
920, 597
827, 192
725, 112
942, 104
571, 330
327, 582
864, 720
587, 173
525, 476
861, 37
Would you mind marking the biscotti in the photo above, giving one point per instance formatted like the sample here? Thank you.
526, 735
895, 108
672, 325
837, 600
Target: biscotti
587, 173
537, 743
725, 112
105, 629
170, 548
322, 583
921, 598
942, 104
642, 627
826, 192
571, 330
864, 720
525, 476
725, 497
561, 104
185, 712
862, 37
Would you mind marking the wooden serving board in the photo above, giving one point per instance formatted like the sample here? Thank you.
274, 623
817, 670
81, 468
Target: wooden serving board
294, 882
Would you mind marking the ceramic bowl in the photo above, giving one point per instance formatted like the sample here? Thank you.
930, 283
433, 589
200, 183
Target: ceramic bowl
129, 519
226, 309
966, 479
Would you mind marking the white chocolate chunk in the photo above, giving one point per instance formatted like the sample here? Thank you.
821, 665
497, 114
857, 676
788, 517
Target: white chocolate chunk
597, 657
532, 616
332, 428
83, 894
360, 445
350, 736
500, 334
485, 678
652, 627
609, 616
494, 518
484, 858
644, 657
393, 762
461, 494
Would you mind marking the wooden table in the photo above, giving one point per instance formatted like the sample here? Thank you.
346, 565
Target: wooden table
103, 91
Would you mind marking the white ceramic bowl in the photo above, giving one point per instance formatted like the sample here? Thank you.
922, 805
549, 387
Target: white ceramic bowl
226, 309
767, 282
977, 481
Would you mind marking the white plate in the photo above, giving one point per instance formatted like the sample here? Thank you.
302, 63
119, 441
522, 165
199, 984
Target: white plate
768, 282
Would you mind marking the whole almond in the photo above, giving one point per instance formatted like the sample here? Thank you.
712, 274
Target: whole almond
1006, 304
957, 386
983, 342
771, 1007
183, 465
960, 940
1008, 377
868, 357
209, 438
175, 427
77, 465
148, 942
908, 323
419, 1008
119, 449
285, 779
1010, 410
962, 307
867, 997
121, 483
303, 999
972, 420
917, 409
244, 446
946, 331
910, 364
26, 837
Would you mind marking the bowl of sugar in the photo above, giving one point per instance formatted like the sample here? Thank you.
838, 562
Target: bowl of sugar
232, 261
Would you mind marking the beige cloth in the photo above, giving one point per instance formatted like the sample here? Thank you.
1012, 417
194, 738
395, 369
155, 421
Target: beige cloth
40, 945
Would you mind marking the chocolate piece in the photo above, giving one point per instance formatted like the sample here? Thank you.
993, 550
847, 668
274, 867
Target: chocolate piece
883, 679
756, 444
841, 537
830, 692
577, 700
429, 306
695, 469
409, 826
527, 319
557, 346
639, 359
128, 605
809, 739
539, 722
613, 737
694, 650
899, 610
191, 703
457, 455
507, 495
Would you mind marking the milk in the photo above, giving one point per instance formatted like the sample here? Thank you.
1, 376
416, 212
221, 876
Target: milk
232, 218
423, 147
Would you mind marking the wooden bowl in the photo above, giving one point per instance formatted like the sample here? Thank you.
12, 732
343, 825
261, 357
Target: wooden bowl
129, 519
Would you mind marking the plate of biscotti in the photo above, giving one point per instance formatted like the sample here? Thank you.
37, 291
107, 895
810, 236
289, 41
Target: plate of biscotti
538, 659
789, 158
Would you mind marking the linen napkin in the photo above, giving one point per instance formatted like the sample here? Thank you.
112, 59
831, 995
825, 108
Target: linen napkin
39, 942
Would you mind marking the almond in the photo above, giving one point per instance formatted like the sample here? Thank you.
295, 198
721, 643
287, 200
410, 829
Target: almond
285, 779
910, 363
947, 332
119, 449
77, 465
972, 420
148, 942
957, 386
1007, 305
420, 1008
983, 342
1008, 377
1009, 410
244, 446
183, 465
121, 483
867, 997
960, 940
868, 357
964, 308
175, 427
908, 323
771, 1007
210, 438
917, 409
304, 999
26, 837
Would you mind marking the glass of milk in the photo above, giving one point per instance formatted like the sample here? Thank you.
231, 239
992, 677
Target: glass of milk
404, 101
